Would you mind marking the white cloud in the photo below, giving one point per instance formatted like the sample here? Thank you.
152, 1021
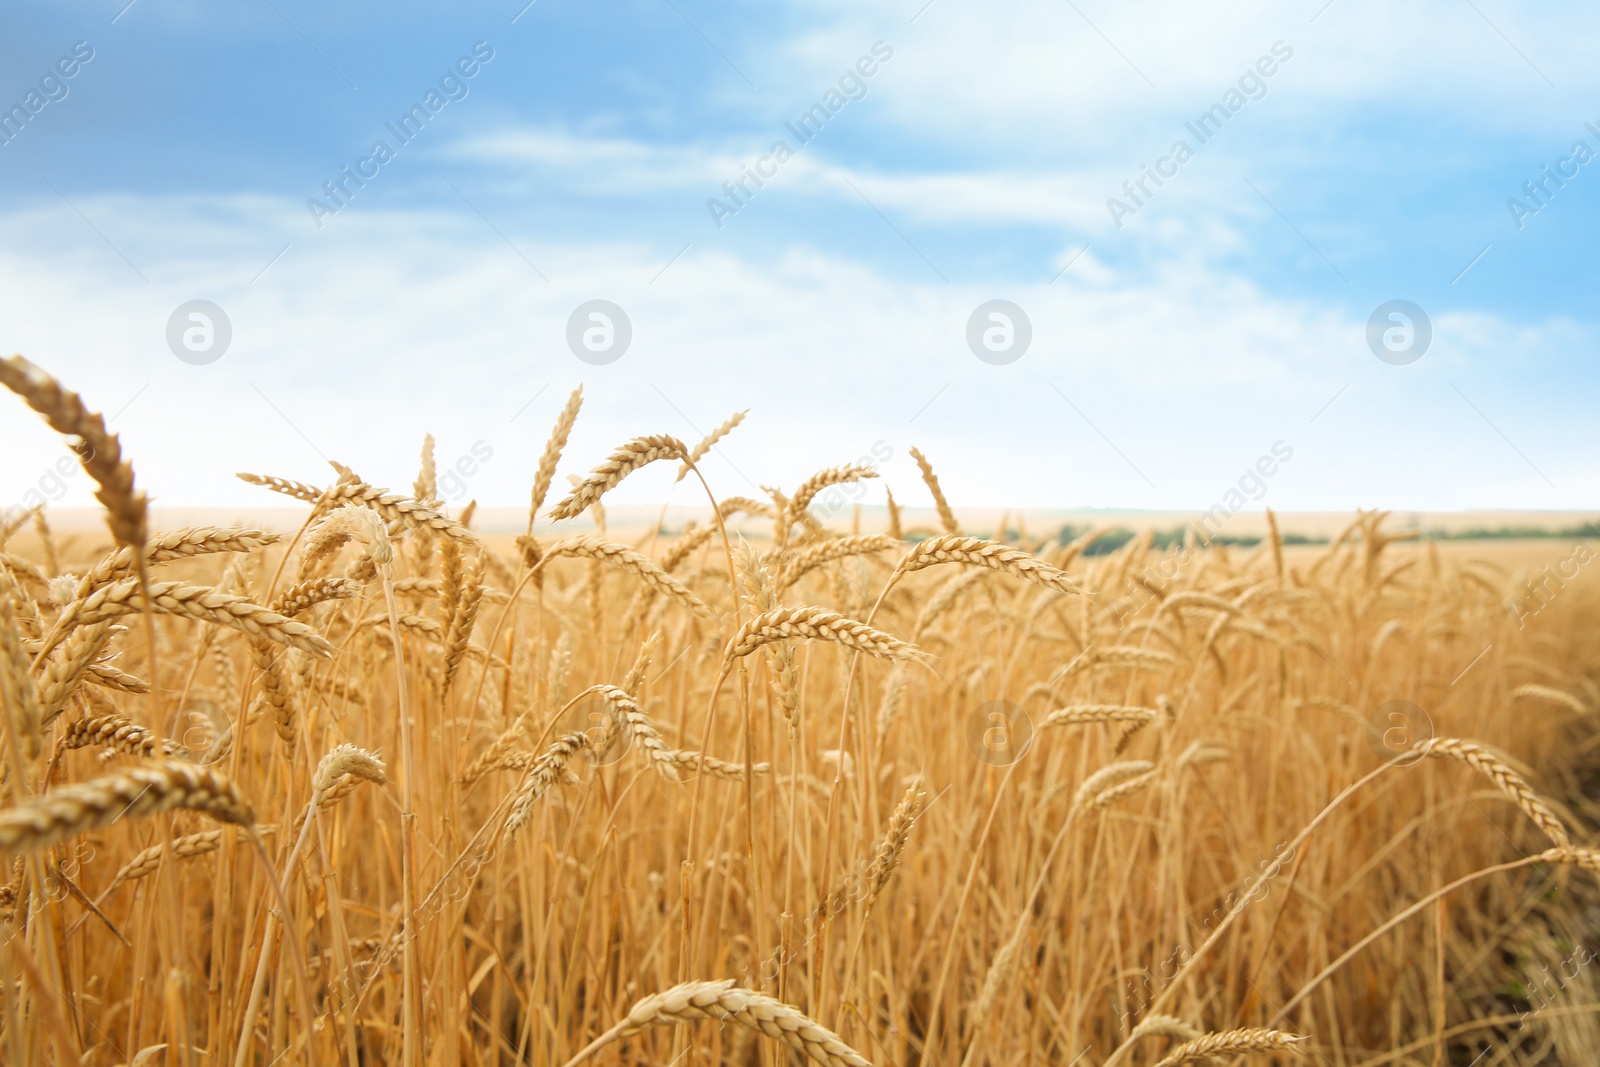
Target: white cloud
389, 325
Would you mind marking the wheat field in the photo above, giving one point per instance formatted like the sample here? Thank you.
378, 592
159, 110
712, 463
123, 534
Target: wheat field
769, 789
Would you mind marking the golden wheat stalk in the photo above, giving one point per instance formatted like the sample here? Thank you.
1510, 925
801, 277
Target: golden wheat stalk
17, 684
734, 505
633, 723
303, 596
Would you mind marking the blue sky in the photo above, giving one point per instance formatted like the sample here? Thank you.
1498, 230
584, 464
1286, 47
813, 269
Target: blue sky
1227, 313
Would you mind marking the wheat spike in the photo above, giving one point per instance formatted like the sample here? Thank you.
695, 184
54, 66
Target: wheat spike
118, 732
621, 463
343, 762
552, 453
205, 604
947, 518
817, 624
1078, 714
976, 552
723, 1000
1106, 778
1550, 695
21, 693
708, 442
39, 822
99, 451
635, 563
635, 724
1493, 767
547, 769
815, 555
1230, 1043
303, 596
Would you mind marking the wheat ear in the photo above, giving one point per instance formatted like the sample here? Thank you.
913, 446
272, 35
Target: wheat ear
1551, 695
549, 768
634, 723
635, 563
621, 463
947, 518
552, 453
817, 624
815, 555
118, 732
302, 596
976, 552
1230, 1043
39, 822
21, 693
1107, 778
1079, 714
886, 857
99, 451
724, 1001
396, 508
708, 442
1498, 771
205, 604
